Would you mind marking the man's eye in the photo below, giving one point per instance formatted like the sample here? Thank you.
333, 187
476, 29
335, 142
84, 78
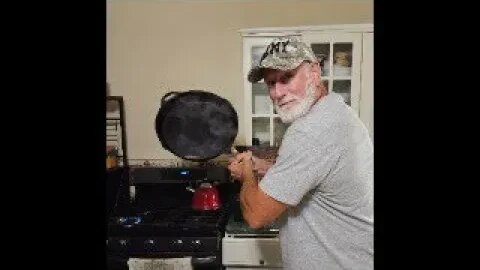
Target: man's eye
286, 78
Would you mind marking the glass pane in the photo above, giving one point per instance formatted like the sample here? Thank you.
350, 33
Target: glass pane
279, 129
325, 83
322, 51
261, 130
343, 87
257, 52
342, 62
260, 98
114, 132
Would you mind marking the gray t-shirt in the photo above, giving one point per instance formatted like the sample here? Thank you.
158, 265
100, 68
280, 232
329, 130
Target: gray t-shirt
324, 172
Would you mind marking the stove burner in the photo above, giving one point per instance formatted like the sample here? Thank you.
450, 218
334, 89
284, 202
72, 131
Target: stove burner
129, 221
133, 218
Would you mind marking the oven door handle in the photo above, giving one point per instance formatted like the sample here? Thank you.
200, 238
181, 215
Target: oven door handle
210, 260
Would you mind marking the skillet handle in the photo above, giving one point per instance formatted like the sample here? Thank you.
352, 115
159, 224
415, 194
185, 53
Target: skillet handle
168, 96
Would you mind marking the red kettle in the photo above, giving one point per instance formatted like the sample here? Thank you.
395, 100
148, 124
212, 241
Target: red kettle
206, 197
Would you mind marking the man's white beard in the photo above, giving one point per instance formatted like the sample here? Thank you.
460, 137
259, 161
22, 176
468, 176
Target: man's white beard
300, 109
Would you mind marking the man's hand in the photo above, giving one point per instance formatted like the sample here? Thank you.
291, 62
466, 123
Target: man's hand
239, 164
261, 166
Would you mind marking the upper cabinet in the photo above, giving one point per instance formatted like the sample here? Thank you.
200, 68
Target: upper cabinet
341, 67
346, 56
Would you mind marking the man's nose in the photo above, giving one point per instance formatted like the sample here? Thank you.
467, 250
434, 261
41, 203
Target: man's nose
279, 90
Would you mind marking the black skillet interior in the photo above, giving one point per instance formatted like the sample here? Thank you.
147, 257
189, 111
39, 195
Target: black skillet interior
196, 125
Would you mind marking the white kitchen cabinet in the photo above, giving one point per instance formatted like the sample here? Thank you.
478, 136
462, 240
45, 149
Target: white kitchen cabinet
366, 94
347, 54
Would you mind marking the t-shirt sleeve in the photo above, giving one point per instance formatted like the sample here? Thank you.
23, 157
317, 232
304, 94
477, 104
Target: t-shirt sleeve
302, 164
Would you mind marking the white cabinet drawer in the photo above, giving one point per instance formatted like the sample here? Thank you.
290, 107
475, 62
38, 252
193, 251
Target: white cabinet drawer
251, 252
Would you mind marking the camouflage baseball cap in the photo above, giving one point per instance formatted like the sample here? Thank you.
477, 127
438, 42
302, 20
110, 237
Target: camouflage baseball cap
283, 53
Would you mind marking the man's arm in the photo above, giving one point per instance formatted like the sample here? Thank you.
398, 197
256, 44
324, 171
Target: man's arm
258, 208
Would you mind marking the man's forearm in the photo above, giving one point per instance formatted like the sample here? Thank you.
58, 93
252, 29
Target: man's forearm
258, 208
247, 195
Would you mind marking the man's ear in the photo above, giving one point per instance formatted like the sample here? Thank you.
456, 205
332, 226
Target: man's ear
316, 71
316, 67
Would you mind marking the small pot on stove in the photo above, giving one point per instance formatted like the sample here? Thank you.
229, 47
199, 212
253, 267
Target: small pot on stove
205, 197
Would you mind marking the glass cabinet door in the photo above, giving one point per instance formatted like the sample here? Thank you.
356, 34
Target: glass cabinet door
261, 130
261, 102
340, 58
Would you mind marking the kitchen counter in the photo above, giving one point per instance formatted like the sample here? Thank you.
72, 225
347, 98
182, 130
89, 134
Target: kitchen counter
238, 226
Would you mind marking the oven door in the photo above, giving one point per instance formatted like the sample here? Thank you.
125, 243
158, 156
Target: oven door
202, 252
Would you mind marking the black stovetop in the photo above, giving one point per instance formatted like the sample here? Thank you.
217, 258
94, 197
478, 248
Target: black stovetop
164, 209
176, 221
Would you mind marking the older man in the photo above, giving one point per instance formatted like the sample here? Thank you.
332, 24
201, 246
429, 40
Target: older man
322, 180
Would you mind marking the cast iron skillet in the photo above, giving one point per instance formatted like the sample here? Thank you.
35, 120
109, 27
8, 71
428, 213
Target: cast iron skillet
196, 125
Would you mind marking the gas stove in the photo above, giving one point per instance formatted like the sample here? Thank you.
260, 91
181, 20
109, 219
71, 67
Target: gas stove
157, 220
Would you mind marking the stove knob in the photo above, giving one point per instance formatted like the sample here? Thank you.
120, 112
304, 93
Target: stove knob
196, 244
149, 244
177, 244
122, 244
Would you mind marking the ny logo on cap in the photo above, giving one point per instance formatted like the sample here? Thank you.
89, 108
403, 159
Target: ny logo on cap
276, 46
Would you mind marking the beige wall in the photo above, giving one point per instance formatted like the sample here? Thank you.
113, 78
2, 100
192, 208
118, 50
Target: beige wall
158, 46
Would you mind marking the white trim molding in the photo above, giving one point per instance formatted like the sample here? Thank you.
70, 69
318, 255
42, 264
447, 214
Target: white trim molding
281, 31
